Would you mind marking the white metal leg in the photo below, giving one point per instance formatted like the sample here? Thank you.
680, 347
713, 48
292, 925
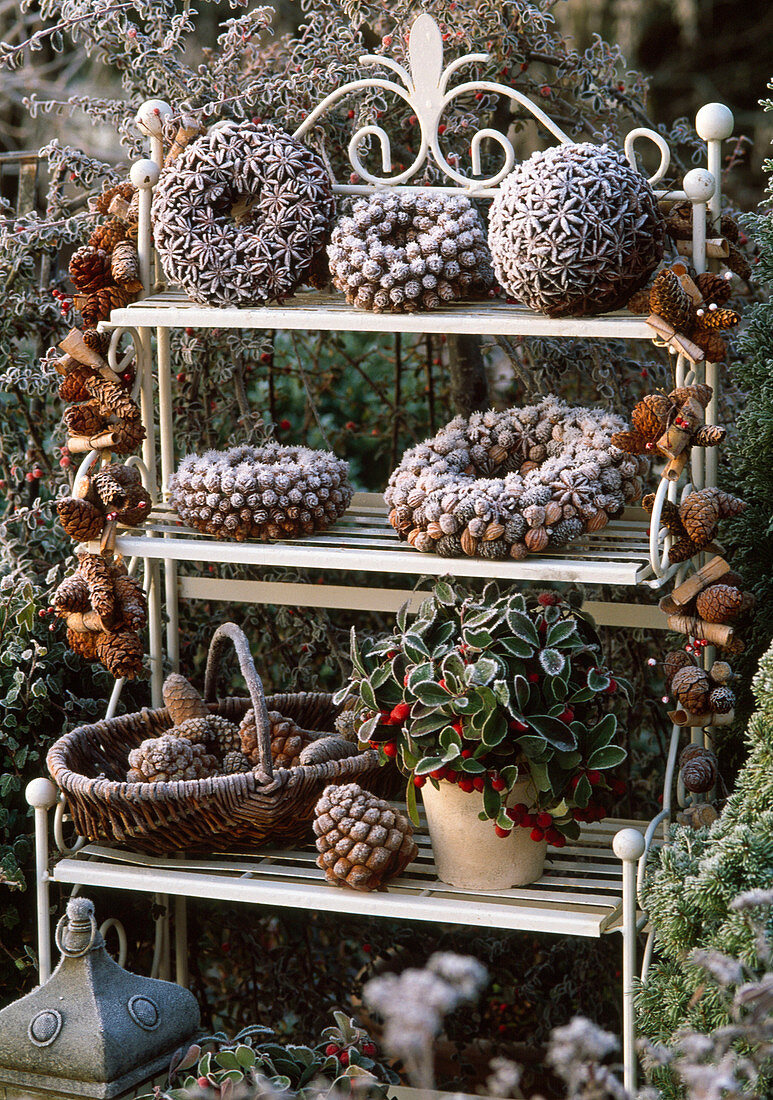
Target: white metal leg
41, 794
166, 433
628, 846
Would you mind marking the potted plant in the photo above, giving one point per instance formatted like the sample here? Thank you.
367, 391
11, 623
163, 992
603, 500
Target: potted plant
495, 707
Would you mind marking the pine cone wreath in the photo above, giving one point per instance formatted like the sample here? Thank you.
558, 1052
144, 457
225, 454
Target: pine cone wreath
105, 414
698, 769
362, 841
169, 759
408, 252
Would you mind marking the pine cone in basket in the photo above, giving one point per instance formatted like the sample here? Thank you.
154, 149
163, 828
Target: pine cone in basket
182, 700
168, 758
287, 739
362, 841
212, 730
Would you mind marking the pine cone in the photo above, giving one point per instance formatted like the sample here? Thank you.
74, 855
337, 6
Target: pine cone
96, 340
710, 435
679, 221
75, 386
721, 700
182, 700
714, 288
108, 235
713, 320
649, 415
84, 419
721, 673
691, 686
85, 645
121, 653
682, 550
633, 443
670, 300
81, 520
738, 264
90, 268
132, 601
672, 662
102, 203
287, 739
169, 759
125, 267
97, 575
697, 816
71, 595
235, 762
719, 603
122, 493
324, 749
712, 345
700, 516
213, 731
700, 393
362, 841
100, 303
698, 769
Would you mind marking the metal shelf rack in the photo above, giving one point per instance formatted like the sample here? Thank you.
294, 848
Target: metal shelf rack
589, 888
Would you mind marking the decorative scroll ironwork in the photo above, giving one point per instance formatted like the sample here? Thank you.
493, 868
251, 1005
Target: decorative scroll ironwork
425, 90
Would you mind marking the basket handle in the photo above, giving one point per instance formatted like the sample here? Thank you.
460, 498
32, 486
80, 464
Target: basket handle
231, 632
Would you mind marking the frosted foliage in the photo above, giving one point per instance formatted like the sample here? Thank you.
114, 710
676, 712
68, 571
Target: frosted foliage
575, 230
242, 215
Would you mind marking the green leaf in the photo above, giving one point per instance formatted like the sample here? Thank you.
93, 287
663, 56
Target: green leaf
471, 766
494, 728
522, 626
367, 729
518, 647
521, 689
477, 639
598, 681
582, 792
560, 631
539, 776
410, 798
444, 593
380, 676
481, 671
491, 801
502, 693
245, 1056
226, 1059
420, 674
368, 695
430, 723
414, 648
601, 734
532, 744
552, 661
431, 694
448, 737
401, 619
608, 757
557, 733
428, 764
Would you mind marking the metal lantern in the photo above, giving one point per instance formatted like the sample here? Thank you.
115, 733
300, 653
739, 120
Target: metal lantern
93, 1029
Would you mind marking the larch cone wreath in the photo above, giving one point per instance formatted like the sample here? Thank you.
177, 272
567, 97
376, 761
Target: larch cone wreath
575, 230
268, 492
243, 215
409, 252
506, 484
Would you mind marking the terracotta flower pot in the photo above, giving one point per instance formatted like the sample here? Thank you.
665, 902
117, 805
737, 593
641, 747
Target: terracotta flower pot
467, 851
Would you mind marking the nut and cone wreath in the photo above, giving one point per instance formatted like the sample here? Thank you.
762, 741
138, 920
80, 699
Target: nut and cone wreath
362, 841
506, 484
408, 252
574, 230
268, 492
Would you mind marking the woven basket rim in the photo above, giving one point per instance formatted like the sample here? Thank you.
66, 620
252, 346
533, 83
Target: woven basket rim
111, 790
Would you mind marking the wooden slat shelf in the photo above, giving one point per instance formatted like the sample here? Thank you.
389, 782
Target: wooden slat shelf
580, 892
362, 540
330, 312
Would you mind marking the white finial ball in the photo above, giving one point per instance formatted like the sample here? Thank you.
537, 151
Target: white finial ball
151, 116
41, 793
714, 122
144, 173
699, 185
628, 844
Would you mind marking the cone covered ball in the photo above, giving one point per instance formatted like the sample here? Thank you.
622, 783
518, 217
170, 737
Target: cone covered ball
575, 230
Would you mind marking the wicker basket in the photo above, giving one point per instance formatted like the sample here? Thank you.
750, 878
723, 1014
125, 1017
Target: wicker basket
216, 814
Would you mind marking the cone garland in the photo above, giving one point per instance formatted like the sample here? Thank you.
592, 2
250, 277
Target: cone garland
694, 523
702, 321
698, 769
670, 426
114, 493
362, 842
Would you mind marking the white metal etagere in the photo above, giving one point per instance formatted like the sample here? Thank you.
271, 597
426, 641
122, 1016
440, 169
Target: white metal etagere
589, 888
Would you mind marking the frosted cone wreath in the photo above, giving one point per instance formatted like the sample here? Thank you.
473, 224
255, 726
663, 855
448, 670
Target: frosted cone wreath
506, 484
243, 215
269, 492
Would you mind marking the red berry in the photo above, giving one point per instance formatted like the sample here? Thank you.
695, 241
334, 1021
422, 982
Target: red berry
618, 786
551, 835
458, 727
29, 475
547, 599
533, 677
466, 754
566, 715
498, 784
502, 832
343, 1057
400, 712
544, 820
466, 785
594, 777
515, 814
528, 821
203, 1082
518, 726
451, 776
331, 1048
537, 834
65, 461
479, 783
612, 688
368, 1049
419, 780
574, 781
285, 425
387, 40
181, 376
439, 773
390, 749
560, 841
412, 120
442, 128
350, 114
